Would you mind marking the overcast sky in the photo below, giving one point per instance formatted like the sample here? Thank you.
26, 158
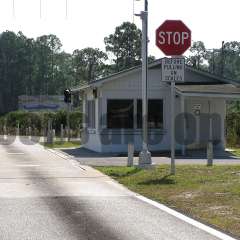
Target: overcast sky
89, 21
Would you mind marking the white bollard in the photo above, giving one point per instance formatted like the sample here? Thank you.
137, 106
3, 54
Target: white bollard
130, 154
54, 135
210, 153
18, 129
71, 134
62, 133
5, 132
79, 132
29, 132
49, 134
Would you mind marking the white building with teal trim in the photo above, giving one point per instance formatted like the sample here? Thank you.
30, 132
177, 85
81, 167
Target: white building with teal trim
112, 110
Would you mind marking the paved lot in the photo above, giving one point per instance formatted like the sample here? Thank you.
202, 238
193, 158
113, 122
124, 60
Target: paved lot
48, 196
86, 157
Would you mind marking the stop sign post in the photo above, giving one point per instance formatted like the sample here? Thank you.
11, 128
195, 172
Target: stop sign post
173, 38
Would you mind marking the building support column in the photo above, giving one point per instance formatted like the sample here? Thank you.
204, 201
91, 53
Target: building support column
96, 114
84, 110
135, 114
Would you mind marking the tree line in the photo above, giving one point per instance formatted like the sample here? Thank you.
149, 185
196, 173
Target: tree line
40, 66
224, 61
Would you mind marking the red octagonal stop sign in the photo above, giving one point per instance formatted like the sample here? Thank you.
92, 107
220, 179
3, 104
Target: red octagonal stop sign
173, 37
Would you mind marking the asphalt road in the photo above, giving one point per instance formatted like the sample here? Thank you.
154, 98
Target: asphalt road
46, 196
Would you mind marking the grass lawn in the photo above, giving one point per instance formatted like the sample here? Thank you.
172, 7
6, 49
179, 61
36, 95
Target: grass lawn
59, 144
211, 194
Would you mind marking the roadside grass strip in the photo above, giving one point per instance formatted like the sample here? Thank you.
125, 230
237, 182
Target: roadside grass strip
59, 144
208, 194
235, 151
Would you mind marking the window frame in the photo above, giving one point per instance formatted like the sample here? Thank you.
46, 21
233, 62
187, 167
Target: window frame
119, 99
163, 114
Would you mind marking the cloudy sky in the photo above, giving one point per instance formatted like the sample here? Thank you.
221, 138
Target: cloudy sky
85, 23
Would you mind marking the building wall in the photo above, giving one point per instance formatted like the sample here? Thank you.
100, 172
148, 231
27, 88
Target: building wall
102, 139
216, 108
129, 87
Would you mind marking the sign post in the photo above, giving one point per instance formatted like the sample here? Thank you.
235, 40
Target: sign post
173, 71
145, 159
173, 37
173, 167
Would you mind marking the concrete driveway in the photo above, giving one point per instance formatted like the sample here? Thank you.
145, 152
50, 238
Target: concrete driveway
46, 195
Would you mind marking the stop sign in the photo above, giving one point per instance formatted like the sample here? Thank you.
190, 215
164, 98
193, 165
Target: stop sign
173, 37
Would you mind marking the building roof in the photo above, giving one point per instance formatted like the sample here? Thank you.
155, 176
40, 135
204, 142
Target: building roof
154, 64
95, 82
226, 90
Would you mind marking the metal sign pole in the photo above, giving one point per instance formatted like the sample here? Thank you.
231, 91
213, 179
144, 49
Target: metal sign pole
145, 155
144, 81
68, 121
173, 70
173, 167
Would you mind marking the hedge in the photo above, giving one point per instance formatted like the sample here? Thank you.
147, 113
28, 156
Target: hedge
233, 128
38, 121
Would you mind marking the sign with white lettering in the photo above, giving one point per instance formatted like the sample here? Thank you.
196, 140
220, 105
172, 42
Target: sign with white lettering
173, 37
173, 69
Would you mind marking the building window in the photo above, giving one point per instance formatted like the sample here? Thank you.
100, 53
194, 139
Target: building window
155, 113
91, 114
119, 114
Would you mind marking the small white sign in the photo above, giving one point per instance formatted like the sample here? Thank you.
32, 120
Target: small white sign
197, 106
173, 69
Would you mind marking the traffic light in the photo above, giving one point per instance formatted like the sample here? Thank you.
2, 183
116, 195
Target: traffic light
67, 96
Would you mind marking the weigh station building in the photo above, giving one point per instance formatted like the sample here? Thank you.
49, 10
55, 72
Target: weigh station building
112, 109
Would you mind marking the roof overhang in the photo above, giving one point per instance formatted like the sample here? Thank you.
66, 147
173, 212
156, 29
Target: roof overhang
97, 83
155, 64
227, 91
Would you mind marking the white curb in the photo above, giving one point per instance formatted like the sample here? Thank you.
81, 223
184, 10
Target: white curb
186, 219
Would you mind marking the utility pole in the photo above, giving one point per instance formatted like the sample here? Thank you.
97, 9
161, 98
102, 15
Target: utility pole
145, 155
66, 5
133, 10
223, 60
220, 54
13, 8
68, 101
40, 8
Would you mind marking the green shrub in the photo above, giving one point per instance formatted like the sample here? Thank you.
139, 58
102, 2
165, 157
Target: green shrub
233, 128
38, 121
